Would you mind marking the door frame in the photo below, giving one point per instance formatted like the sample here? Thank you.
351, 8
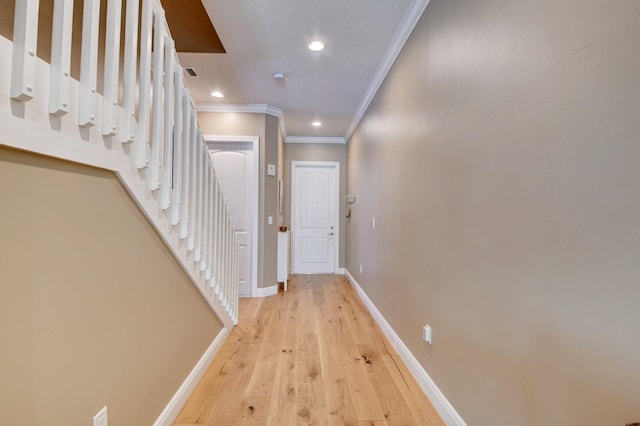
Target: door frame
255, 196
336, 215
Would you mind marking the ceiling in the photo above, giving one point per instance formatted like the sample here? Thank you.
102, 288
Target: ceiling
333, 86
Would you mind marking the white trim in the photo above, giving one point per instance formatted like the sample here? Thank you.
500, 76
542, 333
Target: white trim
402, 35
437, 398
314, 139
340, 271
267, 291
336, 231
255, 210
175, 405
283, 128
248, 108
229, 138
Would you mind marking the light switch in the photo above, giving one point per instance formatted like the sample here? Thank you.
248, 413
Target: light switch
426, 333
271, 169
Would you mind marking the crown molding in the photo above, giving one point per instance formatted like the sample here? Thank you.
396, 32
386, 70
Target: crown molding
402, 35
248, 108
314, 139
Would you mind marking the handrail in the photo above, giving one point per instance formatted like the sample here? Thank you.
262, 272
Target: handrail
154, 126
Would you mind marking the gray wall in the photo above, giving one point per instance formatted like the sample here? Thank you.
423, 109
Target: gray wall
317, 152
94, 309
501, 159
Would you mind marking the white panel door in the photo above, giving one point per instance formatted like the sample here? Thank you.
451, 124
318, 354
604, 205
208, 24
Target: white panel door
233, 163
314, 216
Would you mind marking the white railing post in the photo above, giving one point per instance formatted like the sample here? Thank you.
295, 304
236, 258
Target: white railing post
231, 248
141, 142
186, 166
89, 64
201, 200
129, 72
111, 68
236, 271
193, 169
205, 210
219, 241
212, 243
156, 114
59, 74
211, 218
176, 194
227, 243
223, 245
222, 248
232, 239
25, 43
198, 201
216, 238
169, 114
234, 276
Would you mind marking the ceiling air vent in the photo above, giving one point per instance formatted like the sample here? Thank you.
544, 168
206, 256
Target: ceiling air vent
191, 72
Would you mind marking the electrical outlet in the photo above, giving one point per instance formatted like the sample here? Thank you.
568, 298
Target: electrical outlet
100, 419
426, 334
270, 220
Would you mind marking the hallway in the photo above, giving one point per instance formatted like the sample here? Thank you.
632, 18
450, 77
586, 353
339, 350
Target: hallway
313, 355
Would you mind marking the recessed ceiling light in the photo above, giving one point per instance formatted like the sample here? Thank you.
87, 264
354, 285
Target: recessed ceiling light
316, 124
316, 46
217, 94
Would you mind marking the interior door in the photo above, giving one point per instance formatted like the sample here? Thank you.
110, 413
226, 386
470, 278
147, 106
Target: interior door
314, 216
233, 162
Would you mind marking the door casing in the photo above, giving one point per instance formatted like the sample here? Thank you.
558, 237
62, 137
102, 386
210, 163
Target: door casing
255, 167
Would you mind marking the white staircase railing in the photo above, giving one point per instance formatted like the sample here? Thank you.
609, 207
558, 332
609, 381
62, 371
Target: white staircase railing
143, 126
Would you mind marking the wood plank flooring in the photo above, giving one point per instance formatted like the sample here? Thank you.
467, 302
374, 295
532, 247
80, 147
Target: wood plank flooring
310, 356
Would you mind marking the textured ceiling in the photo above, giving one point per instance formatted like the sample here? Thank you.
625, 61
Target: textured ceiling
262, 37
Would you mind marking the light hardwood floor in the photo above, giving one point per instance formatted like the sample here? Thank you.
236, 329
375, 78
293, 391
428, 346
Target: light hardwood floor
313, 355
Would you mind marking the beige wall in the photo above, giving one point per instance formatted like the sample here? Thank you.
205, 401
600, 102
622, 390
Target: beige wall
281, 174
266, 128
94, 309
271, 202
317, 152
501, 158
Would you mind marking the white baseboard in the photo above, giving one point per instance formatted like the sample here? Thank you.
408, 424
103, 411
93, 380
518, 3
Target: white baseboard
437, 398
172, 410
267, 291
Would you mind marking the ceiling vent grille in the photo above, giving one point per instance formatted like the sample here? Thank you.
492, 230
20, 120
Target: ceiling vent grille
191, 72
